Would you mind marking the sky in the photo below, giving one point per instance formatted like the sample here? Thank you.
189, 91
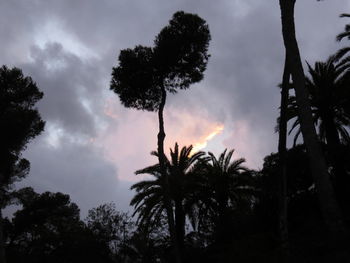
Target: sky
92, 145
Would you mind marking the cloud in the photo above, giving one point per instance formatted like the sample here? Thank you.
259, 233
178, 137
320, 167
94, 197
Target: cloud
250, 143
69, 85
75, 168
131, 135
92, 145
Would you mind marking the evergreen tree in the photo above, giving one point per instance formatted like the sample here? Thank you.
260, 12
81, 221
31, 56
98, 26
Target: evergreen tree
20, 122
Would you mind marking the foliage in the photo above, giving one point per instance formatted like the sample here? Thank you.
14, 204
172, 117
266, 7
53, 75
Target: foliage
300, 187
209, 191
110, 226
225, 189
148, 243
326, 85
18, 97
48, 229
20, 122
342, 54
181, 51
133, 79
177, 60
149, 199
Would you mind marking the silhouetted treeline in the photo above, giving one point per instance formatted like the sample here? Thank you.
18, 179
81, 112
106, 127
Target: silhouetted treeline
228, 213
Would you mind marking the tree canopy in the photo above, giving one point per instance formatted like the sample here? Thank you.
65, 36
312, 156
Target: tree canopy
178, 59
19, 119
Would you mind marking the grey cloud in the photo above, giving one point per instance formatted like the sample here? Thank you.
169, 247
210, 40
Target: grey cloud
78, 170
247, 64
65, 80
242, 75
239, 84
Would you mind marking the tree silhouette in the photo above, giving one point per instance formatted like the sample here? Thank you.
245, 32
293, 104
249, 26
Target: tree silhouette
18, 95
180, 171
226, 189
148, 243
282, 154
109, 226
328, 203
342, 58
145, 74
48, 229
20, 122
149, 200
341, 53
327, 84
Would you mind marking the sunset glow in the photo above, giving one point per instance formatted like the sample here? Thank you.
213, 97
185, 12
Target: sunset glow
203, 143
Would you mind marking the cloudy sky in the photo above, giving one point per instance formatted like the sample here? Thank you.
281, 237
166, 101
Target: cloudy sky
92, 145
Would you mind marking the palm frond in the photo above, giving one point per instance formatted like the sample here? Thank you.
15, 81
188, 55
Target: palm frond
152, 170
227, 159
341, 53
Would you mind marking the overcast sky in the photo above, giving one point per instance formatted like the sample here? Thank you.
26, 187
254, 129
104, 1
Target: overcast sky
92, 145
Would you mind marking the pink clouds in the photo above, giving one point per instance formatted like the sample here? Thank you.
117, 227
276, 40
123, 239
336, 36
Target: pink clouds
190, 128
131, 135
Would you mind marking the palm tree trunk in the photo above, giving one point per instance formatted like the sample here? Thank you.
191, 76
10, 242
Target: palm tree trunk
328, 205
162, 163
282, 154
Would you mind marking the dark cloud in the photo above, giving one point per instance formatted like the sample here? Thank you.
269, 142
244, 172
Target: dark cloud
70, 85
69, 48
77, 169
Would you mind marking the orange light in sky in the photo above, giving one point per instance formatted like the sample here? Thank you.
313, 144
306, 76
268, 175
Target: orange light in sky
203, 143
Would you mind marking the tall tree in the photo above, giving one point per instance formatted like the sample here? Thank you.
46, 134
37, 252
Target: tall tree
20, 122
282, 154
149, 200
328, 203
145, 74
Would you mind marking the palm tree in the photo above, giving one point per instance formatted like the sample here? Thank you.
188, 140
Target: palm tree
328, 203
181, 172
326, 86
150, 198
343, 58
343, 51
225, 189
